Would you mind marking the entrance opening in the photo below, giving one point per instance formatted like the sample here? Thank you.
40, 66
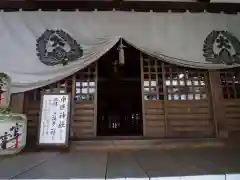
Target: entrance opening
119, 94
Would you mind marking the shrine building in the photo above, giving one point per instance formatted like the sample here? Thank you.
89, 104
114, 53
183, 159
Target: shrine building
134, 69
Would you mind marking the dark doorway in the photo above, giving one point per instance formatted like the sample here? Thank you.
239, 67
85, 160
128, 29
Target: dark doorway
119, 94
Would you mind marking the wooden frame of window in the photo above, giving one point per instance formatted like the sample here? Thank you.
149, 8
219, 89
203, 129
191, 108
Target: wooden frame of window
184, 83
177, 100
230, 102
95, 100
142, 86
230, 83
82, 85
178, 82
85, 84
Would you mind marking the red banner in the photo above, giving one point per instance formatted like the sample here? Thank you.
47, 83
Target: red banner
1, 98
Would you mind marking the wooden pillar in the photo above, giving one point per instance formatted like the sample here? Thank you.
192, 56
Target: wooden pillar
143, 101
217, 102
95, 101
17, 102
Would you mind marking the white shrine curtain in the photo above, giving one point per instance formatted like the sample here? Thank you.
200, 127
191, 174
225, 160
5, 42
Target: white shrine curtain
177, 38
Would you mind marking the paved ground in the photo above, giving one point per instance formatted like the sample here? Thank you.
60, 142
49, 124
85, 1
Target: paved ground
123, 164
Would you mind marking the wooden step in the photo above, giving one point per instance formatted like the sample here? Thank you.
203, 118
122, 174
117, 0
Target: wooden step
144, 144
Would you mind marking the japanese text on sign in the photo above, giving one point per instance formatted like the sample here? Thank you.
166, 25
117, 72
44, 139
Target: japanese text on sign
54, 119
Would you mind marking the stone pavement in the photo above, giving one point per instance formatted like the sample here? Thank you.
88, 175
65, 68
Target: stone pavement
143, 164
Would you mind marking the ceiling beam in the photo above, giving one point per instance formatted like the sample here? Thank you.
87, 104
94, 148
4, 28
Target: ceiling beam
203, 1
143, 6
225, 1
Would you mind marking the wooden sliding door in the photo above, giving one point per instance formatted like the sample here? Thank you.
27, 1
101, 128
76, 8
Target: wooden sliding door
230, 101
82, 86
84, 103
176, 100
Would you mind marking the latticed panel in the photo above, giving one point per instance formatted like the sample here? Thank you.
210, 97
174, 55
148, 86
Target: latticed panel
230, 83
184, 83
180, 83
85, 84
63, 86
153, 79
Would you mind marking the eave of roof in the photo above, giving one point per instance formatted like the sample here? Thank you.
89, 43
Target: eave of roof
142, 6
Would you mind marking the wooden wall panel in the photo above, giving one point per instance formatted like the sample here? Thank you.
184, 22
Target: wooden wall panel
83, 119
183, 119
154, 119
231, 121
189, 118
17, 102
32, 111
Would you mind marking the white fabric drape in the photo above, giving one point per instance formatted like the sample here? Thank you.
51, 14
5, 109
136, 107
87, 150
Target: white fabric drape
173, 37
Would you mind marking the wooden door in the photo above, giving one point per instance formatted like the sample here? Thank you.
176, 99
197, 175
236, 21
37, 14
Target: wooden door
230, 102
84, 103
177, 102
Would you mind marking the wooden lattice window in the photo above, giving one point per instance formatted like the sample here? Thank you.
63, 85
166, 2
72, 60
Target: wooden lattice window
230, 83
185, 83
180, 83
63, 86
83, 82
152, 75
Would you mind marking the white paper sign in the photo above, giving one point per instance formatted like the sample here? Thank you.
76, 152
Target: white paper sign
54, 119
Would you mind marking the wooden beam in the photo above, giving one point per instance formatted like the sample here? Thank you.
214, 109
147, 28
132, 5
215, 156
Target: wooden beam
204, 1
143, 6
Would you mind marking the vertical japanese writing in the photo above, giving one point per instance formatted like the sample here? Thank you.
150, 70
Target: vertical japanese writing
56, 113
48, 112
53, 129
62, 107
62, 116
63, 99
44, 113
15, 130
1, 94
12, 136
4, 139
2, 90
55, 102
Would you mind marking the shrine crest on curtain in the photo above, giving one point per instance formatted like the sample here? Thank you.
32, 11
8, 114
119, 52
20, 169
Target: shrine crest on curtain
57, 47
221, 47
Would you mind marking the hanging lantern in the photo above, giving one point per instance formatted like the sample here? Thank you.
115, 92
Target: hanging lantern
121, 53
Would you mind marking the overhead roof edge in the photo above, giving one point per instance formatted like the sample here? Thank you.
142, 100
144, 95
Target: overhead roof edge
139, 6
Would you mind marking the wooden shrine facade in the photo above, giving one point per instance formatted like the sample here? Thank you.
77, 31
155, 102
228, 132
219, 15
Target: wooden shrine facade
177, 102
